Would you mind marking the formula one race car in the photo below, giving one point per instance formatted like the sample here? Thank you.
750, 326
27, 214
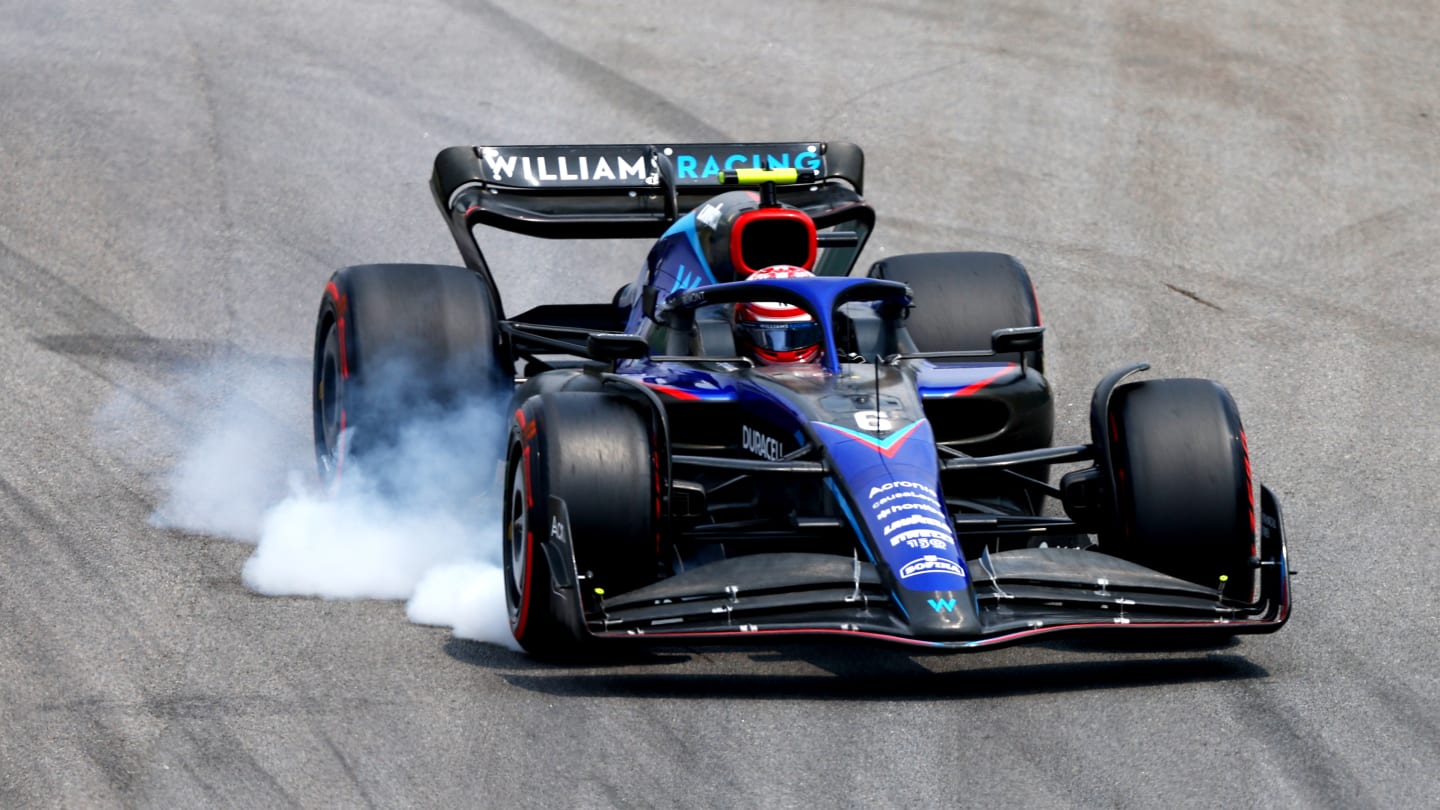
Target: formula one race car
750, 440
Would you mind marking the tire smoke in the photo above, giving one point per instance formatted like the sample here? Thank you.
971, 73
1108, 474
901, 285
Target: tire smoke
414, 520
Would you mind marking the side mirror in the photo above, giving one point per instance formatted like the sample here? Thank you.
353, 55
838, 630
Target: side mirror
612, 346
649, 302
1018, 339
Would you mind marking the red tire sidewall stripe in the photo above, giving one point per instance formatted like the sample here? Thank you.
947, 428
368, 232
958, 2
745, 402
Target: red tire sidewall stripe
529, 428
526, 585
1249, 481
340, 304
527, 582
340, 307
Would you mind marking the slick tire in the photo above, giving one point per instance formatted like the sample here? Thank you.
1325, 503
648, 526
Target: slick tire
1184, 497
593, 451
961, 298
395, 344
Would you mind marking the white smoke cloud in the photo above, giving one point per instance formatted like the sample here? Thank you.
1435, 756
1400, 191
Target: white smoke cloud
352, 546
467, 597
414, 523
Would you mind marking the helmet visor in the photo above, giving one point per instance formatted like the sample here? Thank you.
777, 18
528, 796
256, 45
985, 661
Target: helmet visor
782, 337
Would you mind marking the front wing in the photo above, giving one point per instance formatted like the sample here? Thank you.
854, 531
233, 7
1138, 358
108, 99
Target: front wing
1019, 596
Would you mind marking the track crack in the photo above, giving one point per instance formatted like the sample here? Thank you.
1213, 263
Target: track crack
1194, 297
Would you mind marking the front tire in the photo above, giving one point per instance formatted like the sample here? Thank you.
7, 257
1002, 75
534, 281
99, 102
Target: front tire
594, 452
1185, 499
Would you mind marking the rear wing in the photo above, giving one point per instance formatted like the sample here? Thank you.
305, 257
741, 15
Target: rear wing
629, 191
625, 191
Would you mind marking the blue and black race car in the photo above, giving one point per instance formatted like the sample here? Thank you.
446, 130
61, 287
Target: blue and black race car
754, 440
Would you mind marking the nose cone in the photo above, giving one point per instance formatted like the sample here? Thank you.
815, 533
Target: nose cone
893, 478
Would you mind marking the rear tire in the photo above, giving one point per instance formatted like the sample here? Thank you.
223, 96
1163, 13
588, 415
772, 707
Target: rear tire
396, 343
1185, 502
593, 451
961, 298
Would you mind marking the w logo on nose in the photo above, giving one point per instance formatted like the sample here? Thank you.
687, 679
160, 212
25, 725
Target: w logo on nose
943, 605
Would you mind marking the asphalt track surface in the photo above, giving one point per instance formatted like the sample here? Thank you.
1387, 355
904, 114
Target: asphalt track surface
1237, 190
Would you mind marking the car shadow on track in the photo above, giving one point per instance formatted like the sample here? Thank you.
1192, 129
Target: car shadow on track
853, 673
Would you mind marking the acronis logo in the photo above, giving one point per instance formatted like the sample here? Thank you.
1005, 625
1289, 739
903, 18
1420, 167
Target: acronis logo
694, 167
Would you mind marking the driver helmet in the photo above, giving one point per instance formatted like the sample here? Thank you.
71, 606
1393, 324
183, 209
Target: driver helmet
773, 332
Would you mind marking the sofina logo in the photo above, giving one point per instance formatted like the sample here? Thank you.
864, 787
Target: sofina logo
942, 605
929, 564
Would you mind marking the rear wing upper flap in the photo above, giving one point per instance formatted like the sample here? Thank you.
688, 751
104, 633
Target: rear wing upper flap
626, 190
